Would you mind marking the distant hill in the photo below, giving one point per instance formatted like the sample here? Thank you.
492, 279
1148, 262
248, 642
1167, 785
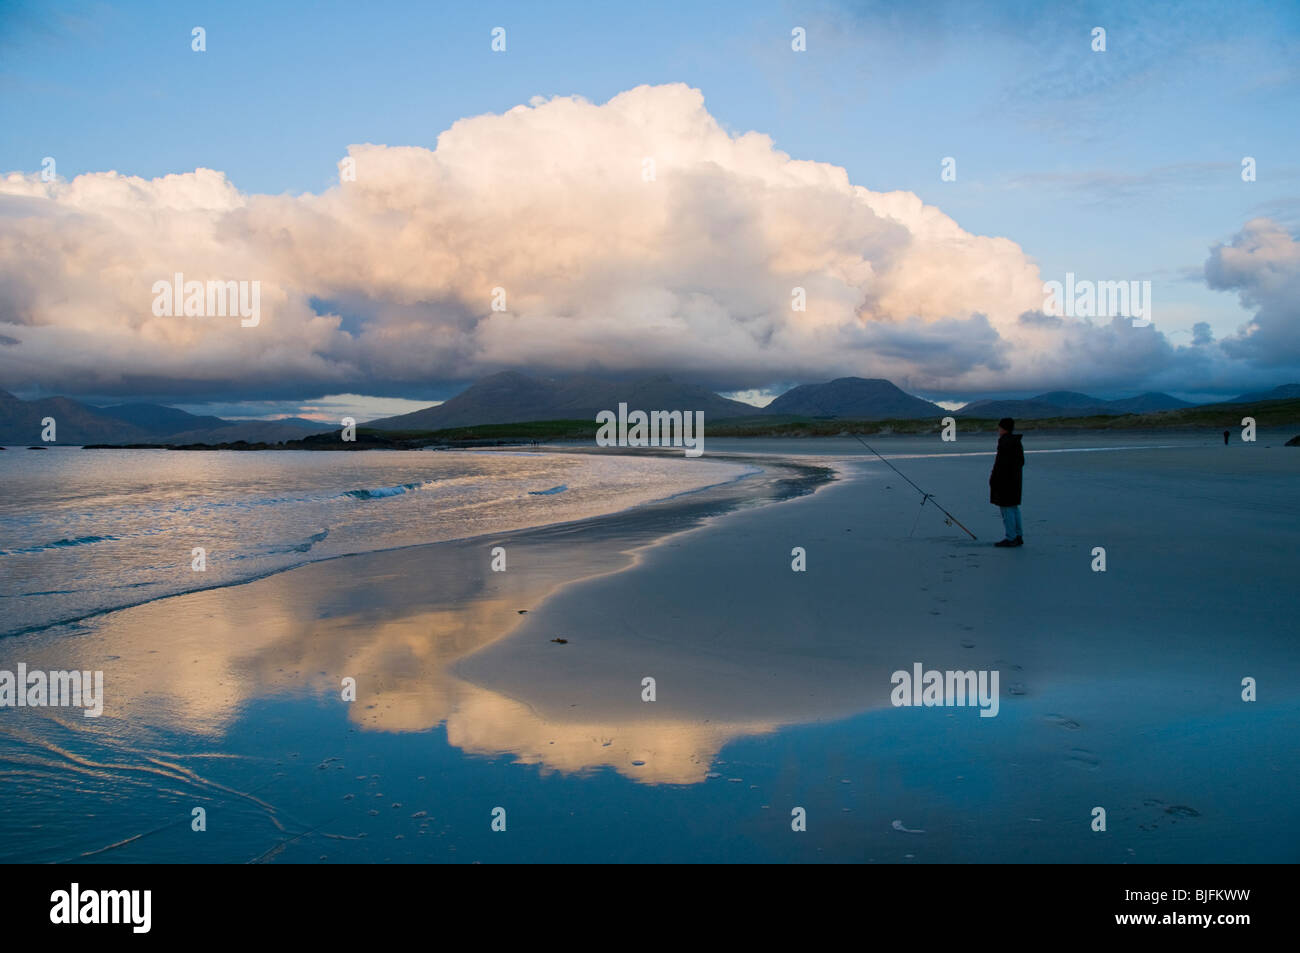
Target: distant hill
852, 397
1147, 403
1069, 400
159, 420
1070, 404
1285, 392
252, 431
77, 423
1029, 409
511, 397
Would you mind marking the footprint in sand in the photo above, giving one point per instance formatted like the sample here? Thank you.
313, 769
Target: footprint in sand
1083, 758
1063, 722
967, 644
1155, 812
1154, 807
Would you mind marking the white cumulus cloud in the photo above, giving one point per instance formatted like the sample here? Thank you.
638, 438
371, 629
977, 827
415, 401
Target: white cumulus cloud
387, 282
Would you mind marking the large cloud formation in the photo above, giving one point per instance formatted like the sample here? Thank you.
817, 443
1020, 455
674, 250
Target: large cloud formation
387, 281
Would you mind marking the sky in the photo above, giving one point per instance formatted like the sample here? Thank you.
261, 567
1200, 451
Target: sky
647, 186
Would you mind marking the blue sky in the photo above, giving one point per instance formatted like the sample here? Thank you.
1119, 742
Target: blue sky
1125, 162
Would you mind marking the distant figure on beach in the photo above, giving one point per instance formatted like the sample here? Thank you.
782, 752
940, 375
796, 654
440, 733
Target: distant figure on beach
1225, 437
1004, 481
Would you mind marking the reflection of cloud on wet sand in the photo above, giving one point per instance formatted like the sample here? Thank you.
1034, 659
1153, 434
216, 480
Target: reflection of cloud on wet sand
671, 751
433, 638
201, 683
195, 662
397, 623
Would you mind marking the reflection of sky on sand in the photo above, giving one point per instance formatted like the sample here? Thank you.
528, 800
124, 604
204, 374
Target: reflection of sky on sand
1112, 691
398, 622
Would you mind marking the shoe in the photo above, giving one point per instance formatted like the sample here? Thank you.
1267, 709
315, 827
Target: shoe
1018, 541
1006, 542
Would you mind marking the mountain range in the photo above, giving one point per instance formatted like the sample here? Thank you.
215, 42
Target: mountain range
513, 397
1061, 403
77, 423
1285, 392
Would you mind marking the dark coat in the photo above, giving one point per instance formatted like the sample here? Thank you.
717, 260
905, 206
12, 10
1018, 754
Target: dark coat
1004, 481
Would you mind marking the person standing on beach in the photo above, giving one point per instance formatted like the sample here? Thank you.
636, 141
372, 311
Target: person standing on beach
1004, 481
1225, 437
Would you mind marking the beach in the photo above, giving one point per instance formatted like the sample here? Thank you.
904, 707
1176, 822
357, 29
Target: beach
525, 689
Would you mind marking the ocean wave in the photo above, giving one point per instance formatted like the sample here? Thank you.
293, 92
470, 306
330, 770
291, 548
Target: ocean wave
384, 492
551, 492
58, 544
303, 547
466, 498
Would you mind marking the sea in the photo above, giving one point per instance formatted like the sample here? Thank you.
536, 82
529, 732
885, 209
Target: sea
87, 531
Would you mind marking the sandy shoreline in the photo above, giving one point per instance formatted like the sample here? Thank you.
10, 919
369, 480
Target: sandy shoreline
1119, 689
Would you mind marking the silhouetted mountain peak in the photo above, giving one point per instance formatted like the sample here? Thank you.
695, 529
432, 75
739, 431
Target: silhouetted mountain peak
512, 397
1069, 398
160, 420
1284, 392
852, 397
1064, 403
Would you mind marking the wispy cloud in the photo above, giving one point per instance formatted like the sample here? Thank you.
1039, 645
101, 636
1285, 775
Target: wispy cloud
1113, 187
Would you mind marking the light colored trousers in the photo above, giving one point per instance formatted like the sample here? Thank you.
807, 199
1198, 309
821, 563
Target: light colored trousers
1011, 520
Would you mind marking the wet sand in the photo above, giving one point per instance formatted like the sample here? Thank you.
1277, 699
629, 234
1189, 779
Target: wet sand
1119, 689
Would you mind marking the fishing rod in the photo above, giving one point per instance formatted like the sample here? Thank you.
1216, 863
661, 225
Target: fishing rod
925, 497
